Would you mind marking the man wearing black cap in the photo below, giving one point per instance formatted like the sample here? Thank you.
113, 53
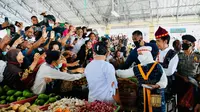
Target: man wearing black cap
132, 59
187, 70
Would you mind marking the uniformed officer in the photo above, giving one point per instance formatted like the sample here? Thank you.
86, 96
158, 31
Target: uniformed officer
187, 70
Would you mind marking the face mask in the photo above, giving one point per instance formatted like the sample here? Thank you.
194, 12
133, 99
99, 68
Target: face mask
4, 53
185, 46
141, 58
59, 66
137, 43
51, 24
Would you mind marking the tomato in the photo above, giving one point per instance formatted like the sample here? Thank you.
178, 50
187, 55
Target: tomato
66, 110
58, 110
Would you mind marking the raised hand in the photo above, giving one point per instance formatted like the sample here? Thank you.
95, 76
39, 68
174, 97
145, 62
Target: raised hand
36, 57
19, 41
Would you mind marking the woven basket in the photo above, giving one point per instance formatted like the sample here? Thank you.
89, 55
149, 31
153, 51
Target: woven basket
66, 86
128, 93
156, 100
80, 82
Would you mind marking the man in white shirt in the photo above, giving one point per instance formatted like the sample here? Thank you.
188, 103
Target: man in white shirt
168, 58
80, 41
165, 53
101, 77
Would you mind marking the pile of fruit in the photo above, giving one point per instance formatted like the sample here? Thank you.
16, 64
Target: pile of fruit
21, 108
126, 85
44, 99
98, 106
66, 105
8, 95
80, 82
77, 105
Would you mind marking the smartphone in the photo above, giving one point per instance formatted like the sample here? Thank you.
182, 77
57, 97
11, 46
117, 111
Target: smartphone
52, 34
6, 19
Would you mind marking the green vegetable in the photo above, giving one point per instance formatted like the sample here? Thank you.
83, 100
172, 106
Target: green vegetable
58, 97
27, 94
26, 91
52, 99
47, 102
18, 93
43, 96
20, 98
10, 92
8, 98
3, 102
40, 102
52, 95
6, 88
3, 97
12, 99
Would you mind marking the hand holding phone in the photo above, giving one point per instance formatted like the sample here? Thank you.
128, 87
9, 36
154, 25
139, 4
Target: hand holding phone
52, 34
6, 19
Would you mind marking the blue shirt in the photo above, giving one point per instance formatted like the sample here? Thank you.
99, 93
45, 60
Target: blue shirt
133, 56
100, 76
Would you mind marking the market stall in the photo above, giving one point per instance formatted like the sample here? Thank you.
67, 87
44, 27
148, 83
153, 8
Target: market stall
25, 101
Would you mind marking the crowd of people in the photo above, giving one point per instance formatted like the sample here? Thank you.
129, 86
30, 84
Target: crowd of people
43, 56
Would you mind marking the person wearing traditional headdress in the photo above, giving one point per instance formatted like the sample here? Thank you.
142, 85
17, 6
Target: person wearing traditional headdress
152, 81
168, 58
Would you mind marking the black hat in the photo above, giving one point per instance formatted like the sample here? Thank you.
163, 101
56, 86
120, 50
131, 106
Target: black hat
189, 38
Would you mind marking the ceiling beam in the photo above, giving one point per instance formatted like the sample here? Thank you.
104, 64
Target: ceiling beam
76, 11
95, 19
51, 9
151, 11
128, 11
140, 17
157, 12
26, 6
143, 12
177, 10
191, 7
159, 8
98, 10
14, 12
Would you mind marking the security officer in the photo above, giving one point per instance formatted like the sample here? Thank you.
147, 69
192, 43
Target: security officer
187, 69
137, 38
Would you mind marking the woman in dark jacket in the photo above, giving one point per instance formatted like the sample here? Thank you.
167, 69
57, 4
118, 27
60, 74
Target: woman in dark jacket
85, 54
13, 74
